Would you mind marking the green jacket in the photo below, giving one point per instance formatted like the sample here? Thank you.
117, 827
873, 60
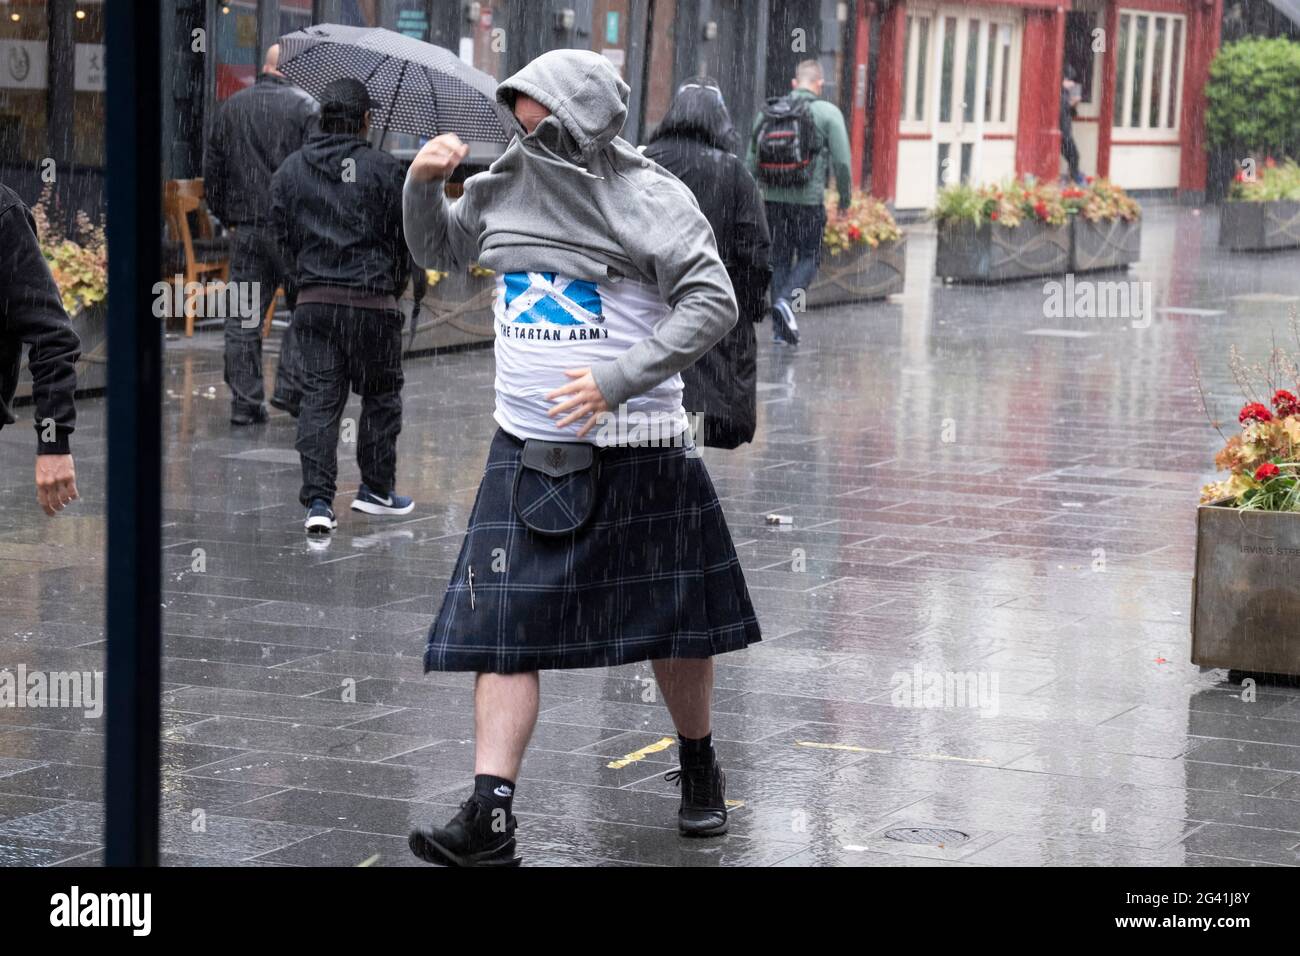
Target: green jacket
835, 150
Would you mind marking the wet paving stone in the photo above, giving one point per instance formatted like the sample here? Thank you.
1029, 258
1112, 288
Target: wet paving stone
299, 722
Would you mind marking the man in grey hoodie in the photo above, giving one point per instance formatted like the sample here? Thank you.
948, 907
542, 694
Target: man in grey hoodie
604, 262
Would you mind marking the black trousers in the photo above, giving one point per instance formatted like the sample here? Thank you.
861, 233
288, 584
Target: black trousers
255, 258
796, 246
1070, 151
347, 349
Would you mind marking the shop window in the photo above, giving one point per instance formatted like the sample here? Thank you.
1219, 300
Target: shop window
238, 58
24, 83
1149, 62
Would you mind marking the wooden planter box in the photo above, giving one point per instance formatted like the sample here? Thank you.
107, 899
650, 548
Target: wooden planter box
859, 274
1103, 245
456, 311
92, 372
1245, 600
1251, 226
994, 253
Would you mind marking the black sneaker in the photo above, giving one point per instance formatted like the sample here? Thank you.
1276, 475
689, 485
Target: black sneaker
471, 838
703, 812
320, 518
286, 406
250, 416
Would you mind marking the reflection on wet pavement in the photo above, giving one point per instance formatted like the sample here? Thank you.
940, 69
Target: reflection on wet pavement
973, 495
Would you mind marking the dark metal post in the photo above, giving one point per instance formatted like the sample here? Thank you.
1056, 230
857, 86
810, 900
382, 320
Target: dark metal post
135, 340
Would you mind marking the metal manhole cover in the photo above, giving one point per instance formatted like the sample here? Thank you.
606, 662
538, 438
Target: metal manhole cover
929, 835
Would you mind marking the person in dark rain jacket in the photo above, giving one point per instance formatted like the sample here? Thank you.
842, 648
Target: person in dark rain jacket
337, 212
253, 133
696, 142
31, 313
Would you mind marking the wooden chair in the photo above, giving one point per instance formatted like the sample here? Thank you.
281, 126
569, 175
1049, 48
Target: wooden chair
181, 197
270, 311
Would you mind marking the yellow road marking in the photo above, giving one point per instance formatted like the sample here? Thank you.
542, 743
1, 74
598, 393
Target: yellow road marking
662, 743
369, 861
850, 747
960, 759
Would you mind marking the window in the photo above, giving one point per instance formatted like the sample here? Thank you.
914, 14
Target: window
1079, 55
1149, 60
916, 50
972, 65
946, 68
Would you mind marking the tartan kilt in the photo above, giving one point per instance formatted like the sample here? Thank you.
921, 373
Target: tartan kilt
652, 574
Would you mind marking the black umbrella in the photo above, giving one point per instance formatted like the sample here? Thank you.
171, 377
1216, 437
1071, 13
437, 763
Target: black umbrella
416, 87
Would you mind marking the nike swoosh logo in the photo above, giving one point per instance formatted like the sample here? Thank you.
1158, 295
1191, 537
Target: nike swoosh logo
386, 502
503, 791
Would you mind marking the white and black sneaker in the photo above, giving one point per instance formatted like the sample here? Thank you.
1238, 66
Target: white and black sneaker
373, 504
320, 518
785, 329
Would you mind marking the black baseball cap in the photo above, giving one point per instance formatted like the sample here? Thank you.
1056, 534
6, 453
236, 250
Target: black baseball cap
345, 99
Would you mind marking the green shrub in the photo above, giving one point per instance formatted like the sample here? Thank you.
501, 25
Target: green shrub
1254, 97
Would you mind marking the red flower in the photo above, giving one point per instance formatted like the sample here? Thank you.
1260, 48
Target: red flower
1088, 180
1284, 403
855, 233
1240, 177
1255, 412
1040, 208
1266, 471
994, 215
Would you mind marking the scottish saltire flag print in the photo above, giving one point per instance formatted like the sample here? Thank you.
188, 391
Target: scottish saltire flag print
533, 297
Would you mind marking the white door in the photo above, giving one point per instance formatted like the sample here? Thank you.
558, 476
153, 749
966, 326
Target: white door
960, 83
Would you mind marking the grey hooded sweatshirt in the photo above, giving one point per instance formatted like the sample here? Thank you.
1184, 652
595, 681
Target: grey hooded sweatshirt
573, 198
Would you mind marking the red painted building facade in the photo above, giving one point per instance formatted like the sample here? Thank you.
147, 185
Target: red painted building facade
971, 92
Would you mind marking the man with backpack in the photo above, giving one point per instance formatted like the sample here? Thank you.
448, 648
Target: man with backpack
797, 139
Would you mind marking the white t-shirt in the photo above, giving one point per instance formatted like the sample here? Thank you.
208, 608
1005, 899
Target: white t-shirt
547, 323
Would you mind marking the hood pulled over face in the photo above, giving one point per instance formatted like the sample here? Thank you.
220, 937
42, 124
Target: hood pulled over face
586, 96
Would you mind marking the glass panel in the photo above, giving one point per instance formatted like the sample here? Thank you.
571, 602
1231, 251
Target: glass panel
1139, 59
909, 69
967, 152
922, 53
1157, 69
1121, 70
1004, 32
945, 177
972, 67
1175, 73
237, 53
990, 53
946, 68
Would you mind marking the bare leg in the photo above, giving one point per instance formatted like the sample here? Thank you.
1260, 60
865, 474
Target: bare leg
505, 712
687, 686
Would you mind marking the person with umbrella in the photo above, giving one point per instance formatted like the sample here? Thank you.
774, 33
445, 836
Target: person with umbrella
337, 212
596, 538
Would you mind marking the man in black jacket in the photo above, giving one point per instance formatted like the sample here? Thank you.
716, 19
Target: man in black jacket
337, 210
31, 313
254, 132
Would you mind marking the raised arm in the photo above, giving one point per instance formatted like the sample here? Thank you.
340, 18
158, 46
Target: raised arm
438, 232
